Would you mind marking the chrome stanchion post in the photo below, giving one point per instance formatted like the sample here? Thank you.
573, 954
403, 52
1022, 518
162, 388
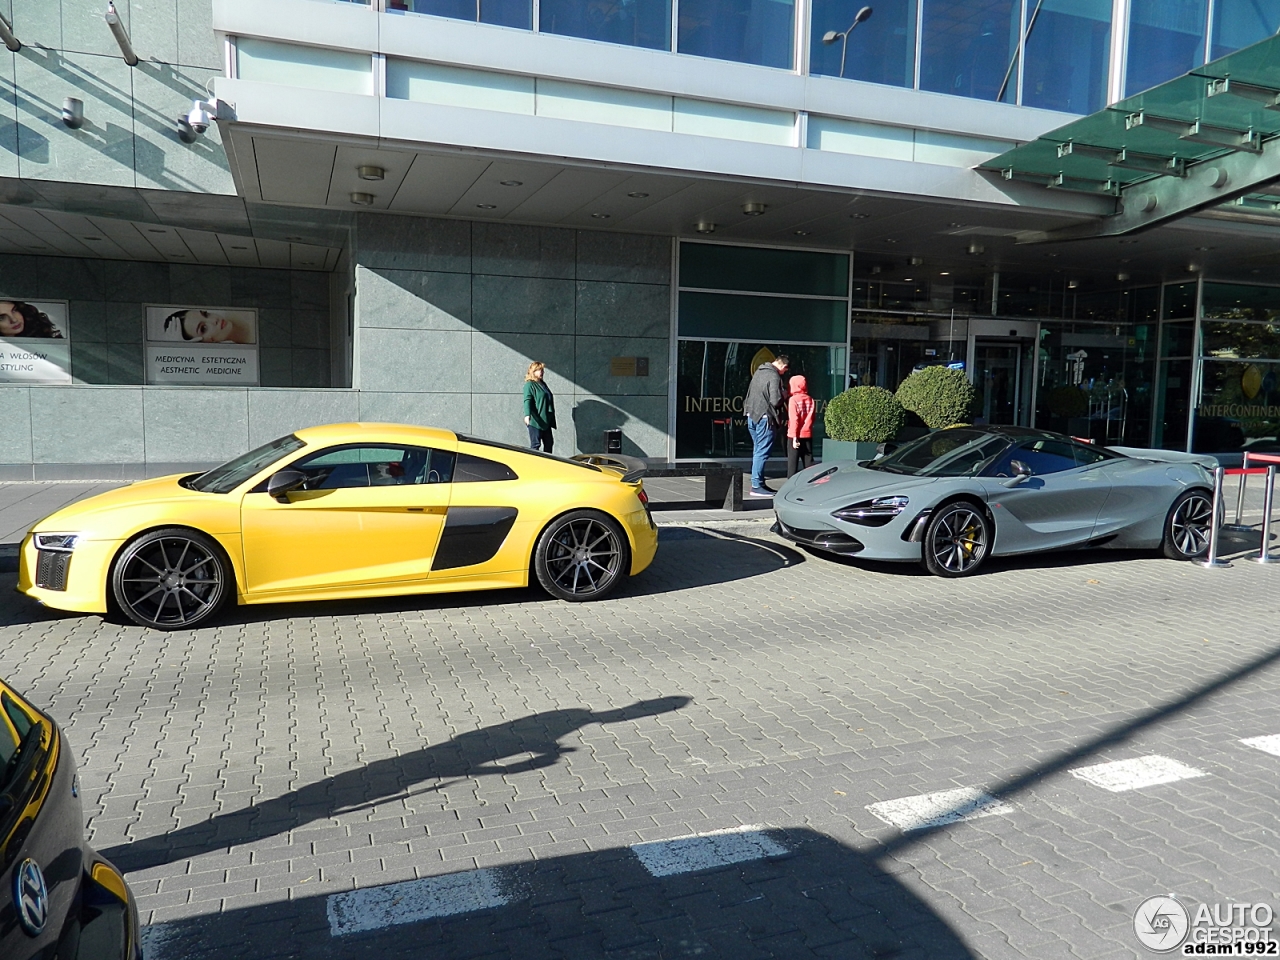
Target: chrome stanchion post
1214, 524
1268, 496
1244, 481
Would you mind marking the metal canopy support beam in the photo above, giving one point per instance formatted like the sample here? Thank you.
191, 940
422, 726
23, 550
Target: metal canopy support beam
1197, 132
1161, 199
1269, 97
1126, 159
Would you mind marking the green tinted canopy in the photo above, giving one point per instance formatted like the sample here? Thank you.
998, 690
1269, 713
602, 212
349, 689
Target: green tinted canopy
1206, 138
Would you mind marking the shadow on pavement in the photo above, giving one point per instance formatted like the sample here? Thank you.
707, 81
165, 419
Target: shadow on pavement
821, 899
535, 739
687, 558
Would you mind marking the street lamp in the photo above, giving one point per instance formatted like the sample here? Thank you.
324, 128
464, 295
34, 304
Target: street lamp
831, 36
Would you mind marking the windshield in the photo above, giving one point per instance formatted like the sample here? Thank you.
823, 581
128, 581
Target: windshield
231, 474
16, 737
944, 453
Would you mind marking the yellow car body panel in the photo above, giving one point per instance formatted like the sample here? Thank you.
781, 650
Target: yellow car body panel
346, 542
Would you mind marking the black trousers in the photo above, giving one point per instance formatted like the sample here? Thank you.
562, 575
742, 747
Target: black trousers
796, 454
539, 438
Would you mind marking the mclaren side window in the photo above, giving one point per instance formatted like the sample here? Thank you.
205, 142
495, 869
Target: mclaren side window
375, 465
1044, 455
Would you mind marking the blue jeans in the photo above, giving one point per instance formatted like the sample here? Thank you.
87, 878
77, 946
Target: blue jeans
761, 443
539, 438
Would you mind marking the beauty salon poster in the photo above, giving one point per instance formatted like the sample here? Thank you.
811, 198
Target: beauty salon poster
208, 346
35, 341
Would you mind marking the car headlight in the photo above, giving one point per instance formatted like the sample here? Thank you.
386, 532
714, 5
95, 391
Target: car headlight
872, 513
58, 542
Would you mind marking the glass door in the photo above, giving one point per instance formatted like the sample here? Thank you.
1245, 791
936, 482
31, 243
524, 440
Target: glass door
998, 379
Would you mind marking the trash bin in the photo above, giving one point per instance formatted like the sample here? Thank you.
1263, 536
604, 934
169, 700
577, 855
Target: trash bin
613, 440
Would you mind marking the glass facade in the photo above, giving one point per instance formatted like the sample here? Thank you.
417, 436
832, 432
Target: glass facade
969, 48
1166, 39
748, 31
739, 307
880, 50
1052, 54
1067, 50
634, 23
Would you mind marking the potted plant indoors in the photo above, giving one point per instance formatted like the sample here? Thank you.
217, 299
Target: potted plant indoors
939, 396
858, 421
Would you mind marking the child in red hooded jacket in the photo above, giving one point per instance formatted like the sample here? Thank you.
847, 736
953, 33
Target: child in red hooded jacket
800, 409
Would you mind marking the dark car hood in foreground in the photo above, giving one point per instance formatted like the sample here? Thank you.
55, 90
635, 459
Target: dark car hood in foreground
849, 484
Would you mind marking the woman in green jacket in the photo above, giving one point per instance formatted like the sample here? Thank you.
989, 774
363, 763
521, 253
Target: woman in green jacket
539, 408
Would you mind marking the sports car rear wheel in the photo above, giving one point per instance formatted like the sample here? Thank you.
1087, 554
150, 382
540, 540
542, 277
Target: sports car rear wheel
170, 579
957, 540
1186, 529
581, 556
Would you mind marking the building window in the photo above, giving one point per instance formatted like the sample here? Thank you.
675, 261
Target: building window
633, 23
1166, 39
748, 31
1239, 23
502, 13
881, 49
969, 48
1068, 49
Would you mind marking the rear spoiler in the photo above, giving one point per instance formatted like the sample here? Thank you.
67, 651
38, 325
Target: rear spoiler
631, 468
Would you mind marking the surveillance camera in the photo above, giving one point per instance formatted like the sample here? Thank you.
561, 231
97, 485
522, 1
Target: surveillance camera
202, 114
186, 132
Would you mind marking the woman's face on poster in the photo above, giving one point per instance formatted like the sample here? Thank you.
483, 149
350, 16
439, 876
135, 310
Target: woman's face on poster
206, 327
12, 323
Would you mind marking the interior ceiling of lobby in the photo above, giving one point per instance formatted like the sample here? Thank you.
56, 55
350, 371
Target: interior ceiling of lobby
296, 212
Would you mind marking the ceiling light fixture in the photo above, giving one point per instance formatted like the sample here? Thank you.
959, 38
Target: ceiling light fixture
890, 240
859, 216
600, 216
638, 195
801, 233
753, 209
371, 173
705, 226
908, 279
944, 273
363, 199
511, 183
486, 206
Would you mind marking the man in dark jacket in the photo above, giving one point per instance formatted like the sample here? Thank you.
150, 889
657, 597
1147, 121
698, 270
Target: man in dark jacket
765, 407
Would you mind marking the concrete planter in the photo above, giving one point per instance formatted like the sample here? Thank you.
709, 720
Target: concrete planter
848, 450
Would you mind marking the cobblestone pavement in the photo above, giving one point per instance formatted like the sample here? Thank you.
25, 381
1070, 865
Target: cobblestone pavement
529, 764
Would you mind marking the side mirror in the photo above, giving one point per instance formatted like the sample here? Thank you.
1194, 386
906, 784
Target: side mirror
282, 481
1020, 473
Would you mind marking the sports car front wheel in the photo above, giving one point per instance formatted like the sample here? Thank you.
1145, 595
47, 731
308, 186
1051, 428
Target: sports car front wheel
1187, 528
957, 540
581, 556
170, 579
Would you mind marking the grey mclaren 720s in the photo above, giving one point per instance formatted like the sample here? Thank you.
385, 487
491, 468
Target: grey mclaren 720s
955, 497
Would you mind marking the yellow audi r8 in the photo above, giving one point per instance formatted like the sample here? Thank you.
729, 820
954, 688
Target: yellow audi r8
339, 511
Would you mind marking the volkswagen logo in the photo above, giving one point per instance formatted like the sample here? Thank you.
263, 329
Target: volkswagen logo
31, 897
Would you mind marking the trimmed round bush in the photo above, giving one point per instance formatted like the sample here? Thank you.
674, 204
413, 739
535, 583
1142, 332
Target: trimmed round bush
939, 396
866, 414
1067, 401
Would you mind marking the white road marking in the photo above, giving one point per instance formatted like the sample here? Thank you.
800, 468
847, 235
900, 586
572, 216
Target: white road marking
1134, 774
1269, 744
416, 900
705, 851
939, 809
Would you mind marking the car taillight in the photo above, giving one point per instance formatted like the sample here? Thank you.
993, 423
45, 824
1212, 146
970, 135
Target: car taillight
644, 497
